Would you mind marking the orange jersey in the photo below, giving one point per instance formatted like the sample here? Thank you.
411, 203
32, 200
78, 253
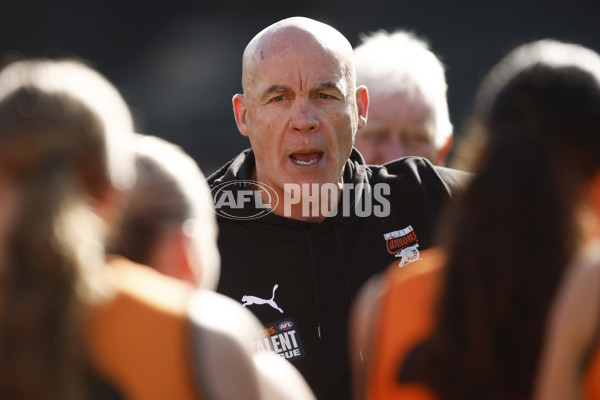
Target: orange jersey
408, 296
591, 383
139, 340
405, 319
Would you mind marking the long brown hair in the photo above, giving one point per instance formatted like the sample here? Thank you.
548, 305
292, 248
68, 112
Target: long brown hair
54, 150
514, 231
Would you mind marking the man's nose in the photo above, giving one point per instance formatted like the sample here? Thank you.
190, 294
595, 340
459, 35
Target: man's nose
303, 118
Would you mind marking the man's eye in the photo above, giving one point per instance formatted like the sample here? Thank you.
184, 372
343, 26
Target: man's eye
417, 138
324, 96
278, 98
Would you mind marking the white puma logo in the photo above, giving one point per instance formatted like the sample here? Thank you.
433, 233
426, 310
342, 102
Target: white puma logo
249, 300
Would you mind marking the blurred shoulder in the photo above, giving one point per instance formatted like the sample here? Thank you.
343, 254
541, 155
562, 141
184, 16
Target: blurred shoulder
427, 269
420, 170
223, 334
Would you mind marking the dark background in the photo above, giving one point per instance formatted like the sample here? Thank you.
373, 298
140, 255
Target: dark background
178, 62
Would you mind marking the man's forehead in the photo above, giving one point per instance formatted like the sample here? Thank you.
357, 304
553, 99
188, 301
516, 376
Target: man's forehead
298, 30
291, 46
402, 105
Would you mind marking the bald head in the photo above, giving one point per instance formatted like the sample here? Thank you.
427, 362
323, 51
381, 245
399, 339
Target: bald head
297, 34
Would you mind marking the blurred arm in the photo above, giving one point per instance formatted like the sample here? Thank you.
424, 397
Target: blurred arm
225, 363
572, 323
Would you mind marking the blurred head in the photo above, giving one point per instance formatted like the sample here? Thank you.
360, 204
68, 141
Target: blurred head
408, 112
300, 107
522, 220
74, 80
168, 223
540, 109
64, 156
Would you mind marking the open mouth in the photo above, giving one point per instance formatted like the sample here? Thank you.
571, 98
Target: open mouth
306, 159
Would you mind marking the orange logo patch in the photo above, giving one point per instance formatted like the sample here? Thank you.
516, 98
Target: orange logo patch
398, 240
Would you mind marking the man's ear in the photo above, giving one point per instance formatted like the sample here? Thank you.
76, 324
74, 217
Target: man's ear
239, 112
362, 103
444, 150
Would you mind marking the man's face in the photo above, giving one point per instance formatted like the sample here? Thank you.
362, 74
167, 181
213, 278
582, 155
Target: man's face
300, 112
398, 126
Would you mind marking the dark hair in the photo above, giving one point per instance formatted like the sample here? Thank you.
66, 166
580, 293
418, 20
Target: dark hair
540, 108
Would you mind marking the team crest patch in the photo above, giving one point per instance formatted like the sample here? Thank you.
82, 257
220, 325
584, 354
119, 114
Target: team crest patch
403, 244
282, 338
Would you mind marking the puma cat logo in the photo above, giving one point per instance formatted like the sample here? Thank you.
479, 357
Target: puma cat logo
249, 300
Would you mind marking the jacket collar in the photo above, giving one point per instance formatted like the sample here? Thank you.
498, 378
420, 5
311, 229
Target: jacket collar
242, 168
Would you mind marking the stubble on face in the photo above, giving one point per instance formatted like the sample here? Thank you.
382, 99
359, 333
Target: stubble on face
270, 64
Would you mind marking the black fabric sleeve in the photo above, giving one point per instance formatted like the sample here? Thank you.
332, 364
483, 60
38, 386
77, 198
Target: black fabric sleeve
456, 181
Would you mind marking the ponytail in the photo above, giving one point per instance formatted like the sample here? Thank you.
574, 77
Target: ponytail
42, 352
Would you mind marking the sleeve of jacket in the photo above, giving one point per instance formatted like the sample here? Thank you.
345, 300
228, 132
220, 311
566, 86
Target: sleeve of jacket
455, 181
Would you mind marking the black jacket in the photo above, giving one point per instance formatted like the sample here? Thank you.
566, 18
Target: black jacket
299, 278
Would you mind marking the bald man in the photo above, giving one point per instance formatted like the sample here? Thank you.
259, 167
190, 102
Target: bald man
303, 221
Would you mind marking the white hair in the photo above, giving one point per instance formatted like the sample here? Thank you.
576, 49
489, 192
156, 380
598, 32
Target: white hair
388, 63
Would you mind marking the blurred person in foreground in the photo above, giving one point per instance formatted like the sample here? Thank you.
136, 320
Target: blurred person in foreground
168, 222
65, 164
303, 221
467, 321
169, 225
570, 363
75, 326
408, 111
